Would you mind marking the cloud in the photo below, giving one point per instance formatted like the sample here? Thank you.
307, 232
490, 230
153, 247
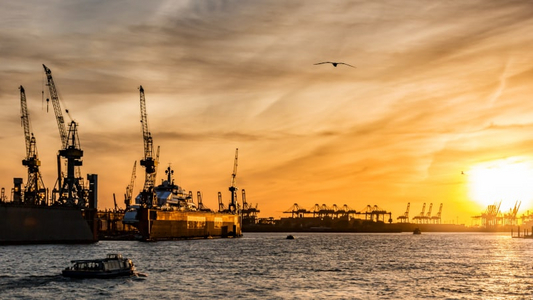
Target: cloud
438, 85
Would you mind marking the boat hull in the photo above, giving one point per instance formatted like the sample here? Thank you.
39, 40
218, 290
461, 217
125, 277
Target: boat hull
155, 224
24, 224
106, 274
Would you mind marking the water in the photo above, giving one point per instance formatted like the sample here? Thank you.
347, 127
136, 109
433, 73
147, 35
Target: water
268, 266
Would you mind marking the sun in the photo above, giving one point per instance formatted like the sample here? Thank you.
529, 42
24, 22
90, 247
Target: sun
506, 180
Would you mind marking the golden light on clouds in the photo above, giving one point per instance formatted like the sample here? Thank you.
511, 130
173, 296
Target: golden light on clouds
507, 180
439, 86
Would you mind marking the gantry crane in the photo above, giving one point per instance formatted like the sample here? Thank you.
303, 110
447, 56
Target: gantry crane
249, 212
129, 188
148, 162
232, 207
428, 215
34, 191
405, 217
437, 218
419, 219
71, 188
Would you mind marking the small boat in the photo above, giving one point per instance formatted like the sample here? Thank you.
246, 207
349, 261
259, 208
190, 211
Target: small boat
417, 231
114, 265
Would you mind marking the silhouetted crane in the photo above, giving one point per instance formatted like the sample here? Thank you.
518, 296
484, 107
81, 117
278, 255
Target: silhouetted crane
421, 216
34, 191
201, 205
129, 189
437, 218
429, 210
71, 190
221, 207
405, 217
148, 162
232, 207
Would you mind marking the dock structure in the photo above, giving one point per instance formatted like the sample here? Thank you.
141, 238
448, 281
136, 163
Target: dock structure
523, 235
368, 213
375, 214
493, 217
321, 211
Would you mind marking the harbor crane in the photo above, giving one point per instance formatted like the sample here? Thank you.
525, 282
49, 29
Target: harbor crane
405, 217
420, 218
437, 218
129, 188
71, 188
201, 206
232, 207
221, 207
429, 210
148, 162
34, 191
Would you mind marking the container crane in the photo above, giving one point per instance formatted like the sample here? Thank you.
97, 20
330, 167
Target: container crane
437, 218
420, 218
428, 215
71, 188
129, 188
232, 207
405, 217
148, 162
249, 212
34, 191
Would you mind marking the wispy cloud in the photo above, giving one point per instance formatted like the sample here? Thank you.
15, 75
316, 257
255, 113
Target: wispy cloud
438, 85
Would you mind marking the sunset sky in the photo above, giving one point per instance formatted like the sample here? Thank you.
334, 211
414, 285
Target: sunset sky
439, 88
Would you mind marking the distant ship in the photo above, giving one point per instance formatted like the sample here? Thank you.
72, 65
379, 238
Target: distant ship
173, 216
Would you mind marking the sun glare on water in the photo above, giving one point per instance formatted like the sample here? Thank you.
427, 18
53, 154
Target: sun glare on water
507, 180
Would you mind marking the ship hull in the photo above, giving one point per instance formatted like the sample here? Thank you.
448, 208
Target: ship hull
154, 224
21, 224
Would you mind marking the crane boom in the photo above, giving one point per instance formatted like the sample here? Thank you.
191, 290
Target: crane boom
25, 119
57, 107
147, 137
234, 174
71, 188
233, 188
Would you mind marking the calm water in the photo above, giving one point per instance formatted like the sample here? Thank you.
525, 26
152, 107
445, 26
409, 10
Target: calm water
268, 266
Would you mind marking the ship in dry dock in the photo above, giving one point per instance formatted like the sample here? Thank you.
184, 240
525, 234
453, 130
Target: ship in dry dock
167, 211
31, 215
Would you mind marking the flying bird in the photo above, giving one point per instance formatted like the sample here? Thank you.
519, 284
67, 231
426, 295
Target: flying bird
334, 63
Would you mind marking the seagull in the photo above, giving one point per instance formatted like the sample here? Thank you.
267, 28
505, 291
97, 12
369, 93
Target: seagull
334, 63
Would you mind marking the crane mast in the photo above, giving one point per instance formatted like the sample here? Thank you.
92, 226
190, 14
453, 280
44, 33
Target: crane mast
34, 191
232, 207
71, 188
148, 162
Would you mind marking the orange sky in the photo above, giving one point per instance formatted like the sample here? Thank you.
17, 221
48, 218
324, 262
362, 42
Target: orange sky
440, 87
